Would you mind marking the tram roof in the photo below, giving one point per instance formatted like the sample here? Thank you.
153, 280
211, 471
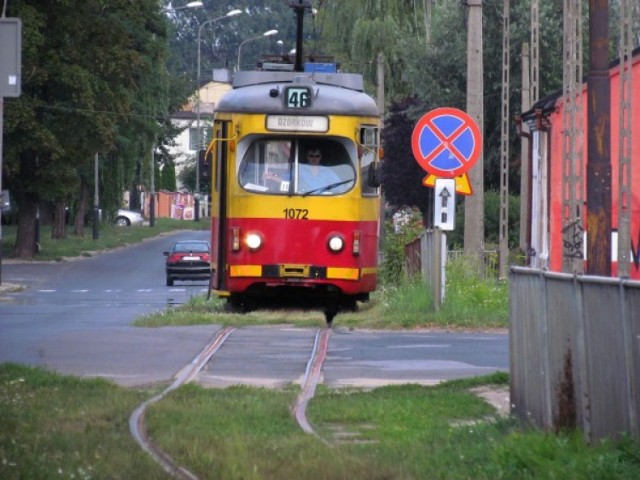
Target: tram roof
252, 93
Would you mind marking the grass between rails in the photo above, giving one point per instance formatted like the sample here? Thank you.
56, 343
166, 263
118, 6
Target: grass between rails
61, 427
471, 302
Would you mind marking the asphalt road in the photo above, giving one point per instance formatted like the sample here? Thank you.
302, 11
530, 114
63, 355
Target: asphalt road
75, 318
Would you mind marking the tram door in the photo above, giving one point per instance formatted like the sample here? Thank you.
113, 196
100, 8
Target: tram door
219, 199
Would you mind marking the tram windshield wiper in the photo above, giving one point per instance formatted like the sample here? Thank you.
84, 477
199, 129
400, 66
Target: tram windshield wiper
327, 187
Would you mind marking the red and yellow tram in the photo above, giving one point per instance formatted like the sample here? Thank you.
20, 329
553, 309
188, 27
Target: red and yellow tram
295, 205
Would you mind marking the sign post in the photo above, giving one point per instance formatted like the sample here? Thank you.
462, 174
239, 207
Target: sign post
446, 143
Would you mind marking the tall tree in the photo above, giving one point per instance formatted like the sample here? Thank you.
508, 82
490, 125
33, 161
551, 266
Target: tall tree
92, 70
401, 174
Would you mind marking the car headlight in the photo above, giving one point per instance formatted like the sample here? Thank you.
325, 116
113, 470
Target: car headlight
336, 243
253, 241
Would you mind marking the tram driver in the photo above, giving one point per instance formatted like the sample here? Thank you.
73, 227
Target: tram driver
315, 176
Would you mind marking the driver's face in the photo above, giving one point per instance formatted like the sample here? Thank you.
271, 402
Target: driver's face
314, 157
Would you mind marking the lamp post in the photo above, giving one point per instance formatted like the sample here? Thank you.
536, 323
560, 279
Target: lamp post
152, 196
188, 5
232, 13
265, 34
152, 188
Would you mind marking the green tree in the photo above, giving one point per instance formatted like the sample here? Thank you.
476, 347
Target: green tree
401, 174
168, 177
95, 81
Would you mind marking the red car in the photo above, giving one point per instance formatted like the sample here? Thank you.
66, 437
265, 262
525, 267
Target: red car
188, 260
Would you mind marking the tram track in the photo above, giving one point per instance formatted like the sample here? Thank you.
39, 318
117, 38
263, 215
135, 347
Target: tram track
187, 374
311, 378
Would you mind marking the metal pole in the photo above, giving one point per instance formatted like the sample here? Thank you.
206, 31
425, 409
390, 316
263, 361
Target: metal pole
239, 54
232, 13
96, 200
152, 197
299, 67
436, 284
1, 200
599, 140
268, 33
198, 133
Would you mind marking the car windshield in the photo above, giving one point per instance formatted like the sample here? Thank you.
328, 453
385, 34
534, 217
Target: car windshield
199, 247
298, 166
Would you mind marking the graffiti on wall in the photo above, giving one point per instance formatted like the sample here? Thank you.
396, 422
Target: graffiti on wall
572, 239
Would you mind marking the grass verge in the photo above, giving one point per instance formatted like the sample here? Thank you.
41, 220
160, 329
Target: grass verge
60, 427
54, 426
110, 236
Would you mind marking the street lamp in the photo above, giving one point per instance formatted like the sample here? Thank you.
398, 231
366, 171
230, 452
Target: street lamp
265, 34
188, 5
152, 196
232, 13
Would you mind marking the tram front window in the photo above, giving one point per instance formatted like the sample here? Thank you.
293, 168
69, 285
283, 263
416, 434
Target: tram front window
297, 167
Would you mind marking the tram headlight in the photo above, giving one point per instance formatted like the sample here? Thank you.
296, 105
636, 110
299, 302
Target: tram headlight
253, 240
335, 243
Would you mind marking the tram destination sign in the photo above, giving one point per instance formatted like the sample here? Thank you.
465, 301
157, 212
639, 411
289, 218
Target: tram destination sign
298, 123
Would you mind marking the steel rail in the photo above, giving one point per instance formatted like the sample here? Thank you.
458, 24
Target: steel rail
311, 379
186, 375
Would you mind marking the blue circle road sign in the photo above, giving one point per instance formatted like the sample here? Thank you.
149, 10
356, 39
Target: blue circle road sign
446, 142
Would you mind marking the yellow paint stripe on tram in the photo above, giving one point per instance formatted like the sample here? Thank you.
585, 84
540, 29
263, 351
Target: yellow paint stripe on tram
245, 270
350, 207
336, 273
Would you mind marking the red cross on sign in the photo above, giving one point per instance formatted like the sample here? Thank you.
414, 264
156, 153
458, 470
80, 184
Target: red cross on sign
446, 143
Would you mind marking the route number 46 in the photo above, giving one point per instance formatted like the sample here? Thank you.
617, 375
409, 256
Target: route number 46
297, 97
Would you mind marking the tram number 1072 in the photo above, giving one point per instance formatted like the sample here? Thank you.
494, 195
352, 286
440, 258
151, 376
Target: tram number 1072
297, 213
297, 97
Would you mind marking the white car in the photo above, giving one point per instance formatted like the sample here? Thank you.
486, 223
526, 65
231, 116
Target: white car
126, 218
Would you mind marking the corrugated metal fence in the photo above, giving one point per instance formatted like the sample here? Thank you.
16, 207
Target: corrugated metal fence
575, 352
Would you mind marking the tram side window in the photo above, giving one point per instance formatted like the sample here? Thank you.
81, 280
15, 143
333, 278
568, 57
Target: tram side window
368, 165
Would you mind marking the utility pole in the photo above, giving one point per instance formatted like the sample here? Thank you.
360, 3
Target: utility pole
96, 199
474, 204
625, 52
572, 141
380, 102
503, 237
599, 142
530, 95
535, 52
525, 101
